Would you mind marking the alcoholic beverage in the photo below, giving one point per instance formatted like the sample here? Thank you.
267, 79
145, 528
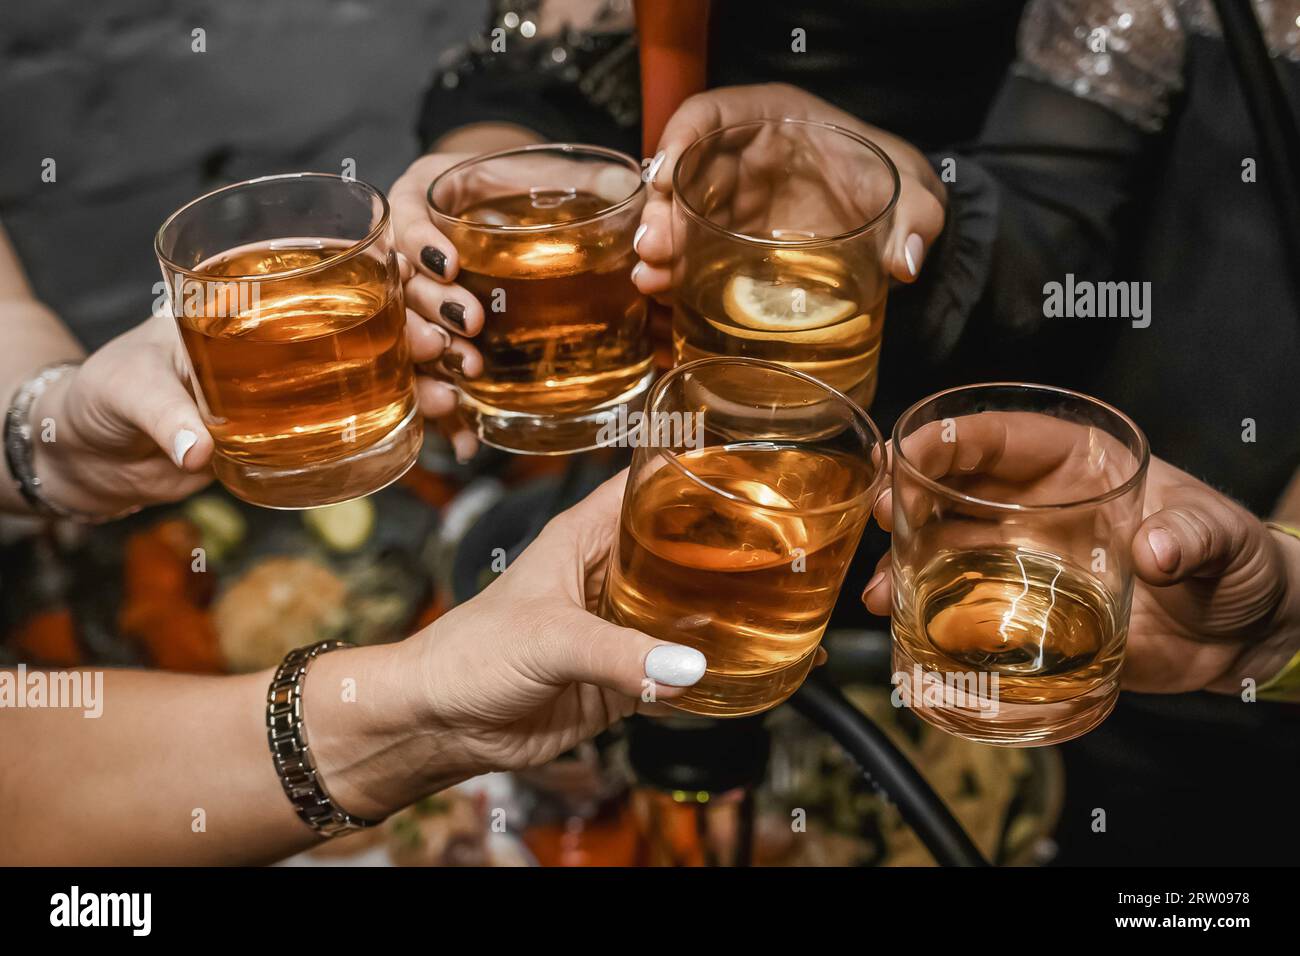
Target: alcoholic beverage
801, 308
315, 369
1014, 509
288, 299
1050, 630
780, 228
570, 334
748, 579
544, 237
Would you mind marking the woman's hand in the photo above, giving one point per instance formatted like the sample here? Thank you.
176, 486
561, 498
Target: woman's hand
123, 430
442, 317
918, 217
1217, 596
510, 679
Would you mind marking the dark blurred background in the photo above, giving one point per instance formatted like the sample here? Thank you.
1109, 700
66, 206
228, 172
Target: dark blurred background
139, 124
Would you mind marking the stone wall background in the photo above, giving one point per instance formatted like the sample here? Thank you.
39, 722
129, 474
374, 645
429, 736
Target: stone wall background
138, 123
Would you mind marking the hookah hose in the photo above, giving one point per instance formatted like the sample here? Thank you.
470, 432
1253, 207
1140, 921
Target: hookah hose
889, 770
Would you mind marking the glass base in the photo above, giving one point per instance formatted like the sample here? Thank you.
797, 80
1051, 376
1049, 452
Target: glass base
525, 433
330, 482
722, 695
983, 720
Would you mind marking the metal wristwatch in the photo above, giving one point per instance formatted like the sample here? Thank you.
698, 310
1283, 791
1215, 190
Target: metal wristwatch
19, 452
289, 750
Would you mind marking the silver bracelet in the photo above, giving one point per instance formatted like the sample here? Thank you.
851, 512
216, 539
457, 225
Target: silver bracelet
289, 750
19, 453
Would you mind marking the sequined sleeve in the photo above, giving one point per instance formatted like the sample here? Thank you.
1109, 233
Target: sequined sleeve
1126, 55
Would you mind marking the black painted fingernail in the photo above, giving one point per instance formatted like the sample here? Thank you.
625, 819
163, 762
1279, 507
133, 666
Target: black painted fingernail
454, 313
435, 260
454, 362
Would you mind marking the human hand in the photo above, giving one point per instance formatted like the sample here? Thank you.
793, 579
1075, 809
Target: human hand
918, 217
126, 432
507, 680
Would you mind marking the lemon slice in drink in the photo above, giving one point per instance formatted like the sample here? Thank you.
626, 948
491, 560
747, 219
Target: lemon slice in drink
768, 306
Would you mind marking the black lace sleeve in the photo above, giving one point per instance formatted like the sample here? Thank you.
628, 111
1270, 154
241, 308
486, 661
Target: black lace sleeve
566, 69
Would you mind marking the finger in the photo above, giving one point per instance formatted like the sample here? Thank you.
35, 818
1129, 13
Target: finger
435, 398
448, 305
820, 657
158, 405
426, 340
918, 220
464, 443
429, 251
651, 281
653, 240
877, 596
584, 649
1190, 539
463, 358
698, 115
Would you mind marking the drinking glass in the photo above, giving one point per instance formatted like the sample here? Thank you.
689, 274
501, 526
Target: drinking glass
1014, 507
749, 488
781, 226
288, 299
544, 235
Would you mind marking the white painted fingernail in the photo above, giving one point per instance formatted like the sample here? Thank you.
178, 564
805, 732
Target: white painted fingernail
655, 163
912, 250
636, 271
184, 441
674, 665
641, 230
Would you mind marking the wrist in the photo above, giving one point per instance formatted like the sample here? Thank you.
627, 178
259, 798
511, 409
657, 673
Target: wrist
368, 731
1280, 642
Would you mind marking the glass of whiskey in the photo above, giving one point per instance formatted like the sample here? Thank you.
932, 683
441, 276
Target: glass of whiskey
749, 489
1013, 508
289, 302
544, 234
780, 227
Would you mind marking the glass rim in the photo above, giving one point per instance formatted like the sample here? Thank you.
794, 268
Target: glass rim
569, 148
872, 490
353, 249
870, 225
1119, 490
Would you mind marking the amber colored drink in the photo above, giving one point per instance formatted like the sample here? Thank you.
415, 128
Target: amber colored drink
310, 370
1049, 630
750, 579
566, 326
802, 308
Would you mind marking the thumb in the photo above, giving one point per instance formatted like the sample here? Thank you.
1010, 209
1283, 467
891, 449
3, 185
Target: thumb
1201, 539
160, 407
589, 650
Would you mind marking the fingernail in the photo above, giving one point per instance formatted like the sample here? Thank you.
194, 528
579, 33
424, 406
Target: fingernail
655, 163
435, 260
1166, 549
454, 361
674, 665
874, 583
913, 249
640, 233
183, 442
636, 271
454, 313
